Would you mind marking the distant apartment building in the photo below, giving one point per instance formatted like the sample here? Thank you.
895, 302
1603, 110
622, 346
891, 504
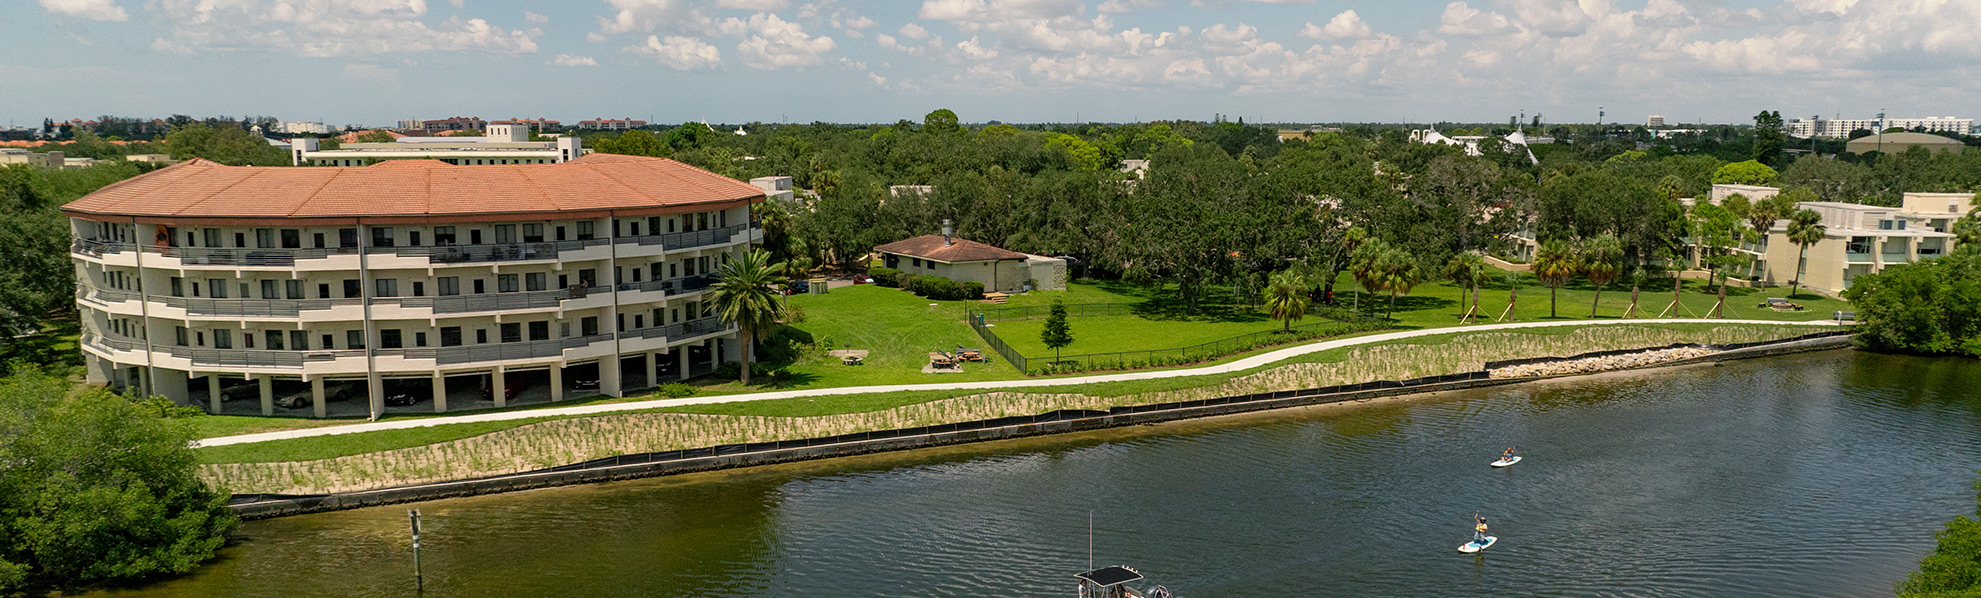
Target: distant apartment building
535, 124
405, 286
610, 124
409, 124
456, 123
1841, 128
1655, 120
504, 144
305, 128
1933, 124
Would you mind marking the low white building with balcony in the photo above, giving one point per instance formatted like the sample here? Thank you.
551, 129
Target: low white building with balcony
411, 285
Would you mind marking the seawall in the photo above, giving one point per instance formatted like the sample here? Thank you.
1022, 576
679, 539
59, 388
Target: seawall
733, 456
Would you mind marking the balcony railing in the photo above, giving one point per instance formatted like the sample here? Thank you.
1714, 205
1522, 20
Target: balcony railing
98, 247
242, 256
1894, 258
688, 329
494, 252
700, 238
675, 286
103, 296
120, 344
227, 357
253, 307
497, 351
455, 304
1854, 256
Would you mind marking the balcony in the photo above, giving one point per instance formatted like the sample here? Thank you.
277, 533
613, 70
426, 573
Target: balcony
98, 247
199, 356
688, 329
494, 252
460, 304
1894, 258
700, 238
497, 351
1863, 257
672, 287
242, 308
256, 257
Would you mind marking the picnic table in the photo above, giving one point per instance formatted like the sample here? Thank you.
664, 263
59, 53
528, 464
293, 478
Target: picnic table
940, 360
964, 354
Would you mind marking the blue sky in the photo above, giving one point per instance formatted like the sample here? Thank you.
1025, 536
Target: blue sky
377, 61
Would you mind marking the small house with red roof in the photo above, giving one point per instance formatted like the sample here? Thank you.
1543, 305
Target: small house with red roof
955, 258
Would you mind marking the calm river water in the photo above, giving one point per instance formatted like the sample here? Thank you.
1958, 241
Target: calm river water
1816, 475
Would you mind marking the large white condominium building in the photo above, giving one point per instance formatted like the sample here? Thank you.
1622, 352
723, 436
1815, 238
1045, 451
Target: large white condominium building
504, 144
1839, 128
407, 285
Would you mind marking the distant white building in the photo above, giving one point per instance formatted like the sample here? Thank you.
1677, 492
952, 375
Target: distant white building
305, 128
1840, 128
611, 124
1933, 124
504, 144
1656, 120
1471, 142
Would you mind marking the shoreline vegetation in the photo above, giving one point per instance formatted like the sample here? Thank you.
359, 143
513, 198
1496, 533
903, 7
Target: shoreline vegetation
392, 458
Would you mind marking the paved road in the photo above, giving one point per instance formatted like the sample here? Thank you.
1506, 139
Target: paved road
1235, 366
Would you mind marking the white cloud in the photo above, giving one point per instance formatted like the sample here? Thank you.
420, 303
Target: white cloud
1115, 7
680, 53
859, 22
877, 79
535, 18
677, 16
913, 31
1346, 25
326, 28
973, 50
889, 42
94, 10
997, 10
775, 43
753, 5
1460, 18
569, 60
456, 3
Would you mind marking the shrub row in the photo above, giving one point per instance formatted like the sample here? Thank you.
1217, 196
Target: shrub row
943, 289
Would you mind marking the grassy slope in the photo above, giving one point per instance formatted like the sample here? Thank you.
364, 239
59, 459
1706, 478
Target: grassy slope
351, 444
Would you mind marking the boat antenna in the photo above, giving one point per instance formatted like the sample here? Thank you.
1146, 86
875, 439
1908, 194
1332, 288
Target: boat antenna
1090, 539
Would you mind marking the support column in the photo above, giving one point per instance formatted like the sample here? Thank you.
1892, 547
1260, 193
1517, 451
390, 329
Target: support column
556, 383
608, 376
267, 394
653, 368
498, 382
439, 393
681, 352
170, 384
213, 393
317, 407
375, 393
98, 369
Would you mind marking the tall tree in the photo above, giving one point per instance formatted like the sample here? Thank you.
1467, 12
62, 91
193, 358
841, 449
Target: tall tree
1555, 264
1398, 274
1466, 270
1602, 258
1058, 332
1366, 266
1805, 228
744, 294
1714, 228
1768, 138
1286, 297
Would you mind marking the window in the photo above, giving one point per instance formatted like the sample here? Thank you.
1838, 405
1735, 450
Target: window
563, 281
213, 238
323, 290
481, 336
474, 236
636, 228
299, 340
419, 339
639, 321
223, 339
353, 289
673, 271
701, 221
216, 288
294, 288
1859, 245
588, 277
588, 326
389, 339
564, 330
241, 240
292, 238
560, 233
688, 267
670, 225
916, 261
381, 236
448, 285
274, 339
619, 323
244, 290
585, 229
264, 238
347, 237
413, 238
653, 225
535, 281
533, 233
723, 218
450, 336
387, 287
505, 233
178, 286
479, 286
179, 335
506, 283
326, 342
703, 264
512, 332
540, 331
271, 289
319, 239
653, 271
354, 339
443, 235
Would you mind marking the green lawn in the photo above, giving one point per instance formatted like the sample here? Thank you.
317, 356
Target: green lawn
324, 447
1108, 334
1441, 304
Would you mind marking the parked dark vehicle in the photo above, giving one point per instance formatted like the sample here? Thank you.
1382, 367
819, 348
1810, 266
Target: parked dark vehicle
400, 399
584, 384
510, 388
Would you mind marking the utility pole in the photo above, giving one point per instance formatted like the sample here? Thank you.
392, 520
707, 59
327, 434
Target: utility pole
419, 576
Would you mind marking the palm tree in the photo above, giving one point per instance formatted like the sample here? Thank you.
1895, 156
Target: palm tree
1286, 297
1467, 269
1555, 263
1601, 259
1805, 228
1366, 265
1398, 274
744, 295
1761, 217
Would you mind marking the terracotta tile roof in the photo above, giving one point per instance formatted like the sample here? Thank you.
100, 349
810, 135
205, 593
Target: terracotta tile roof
417, 188
933, 247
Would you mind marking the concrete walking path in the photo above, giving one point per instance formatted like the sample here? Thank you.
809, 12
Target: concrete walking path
1235, 366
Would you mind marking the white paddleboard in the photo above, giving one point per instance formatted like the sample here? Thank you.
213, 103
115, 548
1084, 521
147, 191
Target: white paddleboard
1475, 546
1506, 462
